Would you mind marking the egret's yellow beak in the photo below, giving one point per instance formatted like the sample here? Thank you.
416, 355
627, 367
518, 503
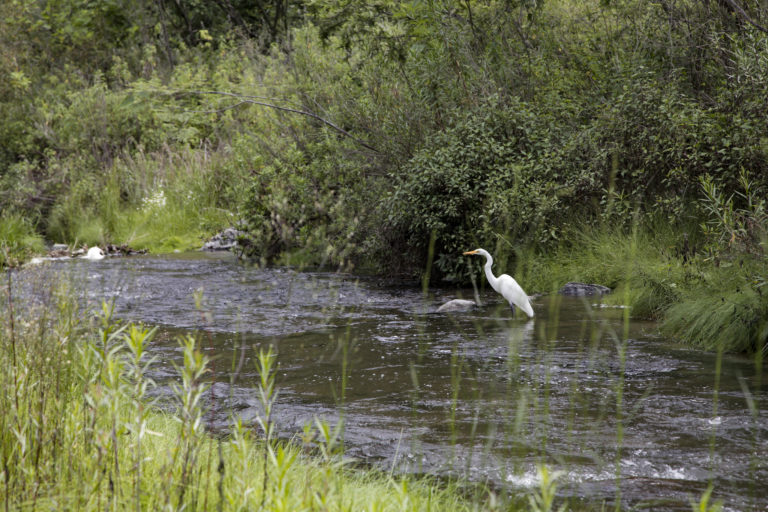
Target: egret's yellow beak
470, 252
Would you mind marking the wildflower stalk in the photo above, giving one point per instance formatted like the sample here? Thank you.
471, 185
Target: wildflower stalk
205, 317
190, 413
267, 397
137, 339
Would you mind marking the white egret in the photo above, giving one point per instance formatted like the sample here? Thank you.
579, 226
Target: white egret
505, 284
94, 253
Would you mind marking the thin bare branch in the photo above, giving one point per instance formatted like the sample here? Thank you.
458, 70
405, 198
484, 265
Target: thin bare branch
746, 16
255, 100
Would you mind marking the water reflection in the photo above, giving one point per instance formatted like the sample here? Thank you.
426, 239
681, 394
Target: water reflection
481, 394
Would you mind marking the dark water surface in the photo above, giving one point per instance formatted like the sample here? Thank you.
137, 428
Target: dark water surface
621, 412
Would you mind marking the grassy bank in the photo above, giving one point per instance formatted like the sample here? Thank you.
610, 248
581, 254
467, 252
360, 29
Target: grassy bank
710, 298
18, 239
80, 431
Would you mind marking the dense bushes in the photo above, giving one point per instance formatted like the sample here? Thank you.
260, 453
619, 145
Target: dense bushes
486, 121
522, 173
477, 175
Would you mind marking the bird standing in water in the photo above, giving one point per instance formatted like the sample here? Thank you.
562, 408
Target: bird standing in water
505, 284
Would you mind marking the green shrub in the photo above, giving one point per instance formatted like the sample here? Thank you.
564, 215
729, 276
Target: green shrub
469, 181
18, 239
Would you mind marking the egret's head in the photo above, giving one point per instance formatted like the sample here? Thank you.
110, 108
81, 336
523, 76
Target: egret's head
481, 252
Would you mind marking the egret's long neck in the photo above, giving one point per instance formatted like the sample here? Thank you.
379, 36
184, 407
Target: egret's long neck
489, 273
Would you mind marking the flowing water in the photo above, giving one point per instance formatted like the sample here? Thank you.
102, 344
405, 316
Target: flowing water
623, 413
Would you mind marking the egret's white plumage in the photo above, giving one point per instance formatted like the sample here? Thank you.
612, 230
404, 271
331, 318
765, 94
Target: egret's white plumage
505, 284
94, 253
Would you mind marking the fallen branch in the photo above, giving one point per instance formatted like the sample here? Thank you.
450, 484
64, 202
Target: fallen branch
256, 100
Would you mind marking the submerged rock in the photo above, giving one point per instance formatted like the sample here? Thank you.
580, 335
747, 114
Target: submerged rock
583, 289
457, 306
123, 250
223, 241
62, 251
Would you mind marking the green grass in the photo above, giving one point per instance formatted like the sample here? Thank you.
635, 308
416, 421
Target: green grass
229, 474
160, 228
703, 301
639, 265
18, 239
172, 227
723, 308
163, 203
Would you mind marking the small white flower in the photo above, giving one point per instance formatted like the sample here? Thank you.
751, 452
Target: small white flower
155, 201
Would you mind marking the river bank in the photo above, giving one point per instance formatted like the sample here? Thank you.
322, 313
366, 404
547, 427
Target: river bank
585, 143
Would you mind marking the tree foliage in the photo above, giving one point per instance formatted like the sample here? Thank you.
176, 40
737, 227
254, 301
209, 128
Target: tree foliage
476, 122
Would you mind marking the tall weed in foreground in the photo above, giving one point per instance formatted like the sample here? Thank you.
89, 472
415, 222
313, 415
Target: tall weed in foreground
542, 500
267, 398
703, 505
190, 414
137, 339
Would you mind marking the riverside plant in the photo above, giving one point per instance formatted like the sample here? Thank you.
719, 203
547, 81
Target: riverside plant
18, 239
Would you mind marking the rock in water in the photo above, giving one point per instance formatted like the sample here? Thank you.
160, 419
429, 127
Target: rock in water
223, 241
457, 305
582, 289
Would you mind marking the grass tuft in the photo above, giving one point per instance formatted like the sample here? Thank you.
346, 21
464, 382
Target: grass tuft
732, 318
158, 202
706, 301
18, 239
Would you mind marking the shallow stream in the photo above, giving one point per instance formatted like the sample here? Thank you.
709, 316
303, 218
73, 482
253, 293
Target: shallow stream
623, 413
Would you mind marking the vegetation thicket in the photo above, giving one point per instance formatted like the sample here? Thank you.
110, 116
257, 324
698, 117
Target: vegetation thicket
563, 135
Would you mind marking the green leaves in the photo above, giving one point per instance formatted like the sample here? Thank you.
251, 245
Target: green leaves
480, 177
